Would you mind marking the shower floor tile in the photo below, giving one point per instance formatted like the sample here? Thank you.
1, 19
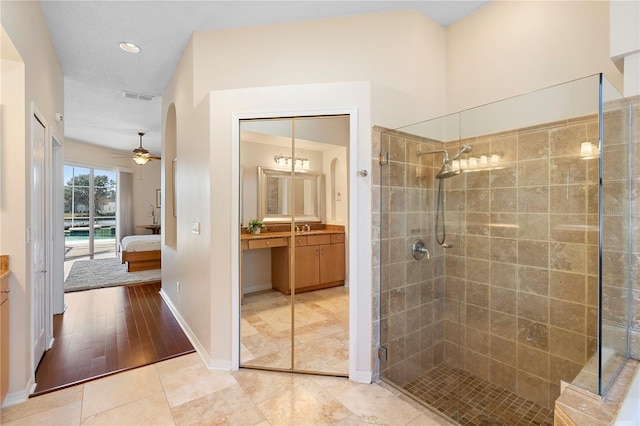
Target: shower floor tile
481, 403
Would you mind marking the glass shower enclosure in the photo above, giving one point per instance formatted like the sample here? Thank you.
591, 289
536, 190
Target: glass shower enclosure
502, 247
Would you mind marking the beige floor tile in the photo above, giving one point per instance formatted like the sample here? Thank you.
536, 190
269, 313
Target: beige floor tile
119, 389
43, 403
428, 420
306, 403
152, 410
230, 406
372, 400
192, 381
68, 414
178, 363
262, 385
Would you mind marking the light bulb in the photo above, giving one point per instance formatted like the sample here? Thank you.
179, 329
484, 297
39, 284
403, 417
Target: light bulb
495, 159
483, 161
455, 165
464, 164
586, 149
473, 162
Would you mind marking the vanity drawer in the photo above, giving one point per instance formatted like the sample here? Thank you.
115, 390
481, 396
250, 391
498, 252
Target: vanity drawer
313, 240
337, 238
244, 245
300, 241
267, 243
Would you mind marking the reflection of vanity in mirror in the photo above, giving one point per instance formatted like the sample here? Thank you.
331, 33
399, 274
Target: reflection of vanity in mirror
298, 263
320, 253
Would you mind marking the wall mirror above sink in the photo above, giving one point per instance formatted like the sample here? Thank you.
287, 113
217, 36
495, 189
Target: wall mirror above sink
274, 187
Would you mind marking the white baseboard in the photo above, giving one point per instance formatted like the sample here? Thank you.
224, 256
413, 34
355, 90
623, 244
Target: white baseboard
257, 287
212, 364
362, 376
185, 327
14, 398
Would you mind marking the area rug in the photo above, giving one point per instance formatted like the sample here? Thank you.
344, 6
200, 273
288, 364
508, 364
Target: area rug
99, 273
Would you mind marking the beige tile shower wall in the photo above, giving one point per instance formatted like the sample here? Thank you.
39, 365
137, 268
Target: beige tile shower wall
616, 225
635, 214
528, 296
409, 293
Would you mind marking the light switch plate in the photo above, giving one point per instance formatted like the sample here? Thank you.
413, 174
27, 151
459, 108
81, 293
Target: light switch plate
195, 228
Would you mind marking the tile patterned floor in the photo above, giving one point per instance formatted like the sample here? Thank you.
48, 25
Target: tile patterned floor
321, 330
183, 391
481, 403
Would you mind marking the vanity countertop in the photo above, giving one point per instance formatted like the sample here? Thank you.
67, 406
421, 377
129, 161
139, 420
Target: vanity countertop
4, 266
281, 234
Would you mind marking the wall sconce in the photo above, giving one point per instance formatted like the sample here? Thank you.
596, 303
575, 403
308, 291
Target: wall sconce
300, 163
588, 151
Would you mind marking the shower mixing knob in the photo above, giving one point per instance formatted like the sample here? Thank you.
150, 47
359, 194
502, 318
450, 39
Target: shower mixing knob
419, 250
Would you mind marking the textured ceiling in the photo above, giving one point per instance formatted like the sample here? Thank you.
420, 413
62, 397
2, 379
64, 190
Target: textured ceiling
86, 36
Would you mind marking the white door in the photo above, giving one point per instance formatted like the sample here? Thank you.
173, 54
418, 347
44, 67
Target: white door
38, 240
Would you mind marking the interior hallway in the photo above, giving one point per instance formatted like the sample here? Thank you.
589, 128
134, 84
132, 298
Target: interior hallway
183, 391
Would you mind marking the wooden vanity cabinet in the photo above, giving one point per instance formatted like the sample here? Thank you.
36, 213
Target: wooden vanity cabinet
319, 263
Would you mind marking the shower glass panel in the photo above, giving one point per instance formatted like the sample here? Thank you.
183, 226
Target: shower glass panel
510, 309
616, 228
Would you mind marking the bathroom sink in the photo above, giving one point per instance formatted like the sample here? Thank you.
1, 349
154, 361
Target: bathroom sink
320, 231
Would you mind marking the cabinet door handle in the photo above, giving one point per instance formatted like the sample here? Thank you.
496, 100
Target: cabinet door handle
323, 252
7, 290
317, 252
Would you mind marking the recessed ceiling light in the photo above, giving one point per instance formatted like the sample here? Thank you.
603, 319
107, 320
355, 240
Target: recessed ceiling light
129, 47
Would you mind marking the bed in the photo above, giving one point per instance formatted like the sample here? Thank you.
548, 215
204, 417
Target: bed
141, 252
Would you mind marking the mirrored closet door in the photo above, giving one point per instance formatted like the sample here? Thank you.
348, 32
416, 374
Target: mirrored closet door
293, 216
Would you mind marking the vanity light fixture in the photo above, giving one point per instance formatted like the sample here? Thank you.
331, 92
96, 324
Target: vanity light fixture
129, 47
300, 163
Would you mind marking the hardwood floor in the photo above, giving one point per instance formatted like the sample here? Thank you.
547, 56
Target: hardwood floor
108, 330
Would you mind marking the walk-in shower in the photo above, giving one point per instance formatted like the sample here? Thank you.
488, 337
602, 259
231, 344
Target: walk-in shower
532, 285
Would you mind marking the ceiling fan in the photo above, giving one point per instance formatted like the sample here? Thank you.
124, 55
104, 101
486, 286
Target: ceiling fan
141, 155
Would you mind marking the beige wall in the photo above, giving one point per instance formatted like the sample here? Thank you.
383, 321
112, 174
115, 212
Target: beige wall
378, 48
509, 48
402, 52
43, 85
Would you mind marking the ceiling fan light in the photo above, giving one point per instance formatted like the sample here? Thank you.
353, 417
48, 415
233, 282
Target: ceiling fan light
140, 160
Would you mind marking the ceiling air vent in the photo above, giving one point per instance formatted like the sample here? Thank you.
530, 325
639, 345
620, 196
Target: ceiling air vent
137, 96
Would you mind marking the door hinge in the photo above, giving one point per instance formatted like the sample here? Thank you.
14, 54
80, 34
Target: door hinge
382, 353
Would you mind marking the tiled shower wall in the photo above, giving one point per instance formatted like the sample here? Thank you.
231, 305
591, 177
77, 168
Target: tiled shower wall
408, 293
635, 230
527, 316
519, 307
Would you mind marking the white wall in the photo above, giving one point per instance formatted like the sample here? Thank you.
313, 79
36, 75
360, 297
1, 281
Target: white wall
624, 23
508, 48
44, 86
146, 178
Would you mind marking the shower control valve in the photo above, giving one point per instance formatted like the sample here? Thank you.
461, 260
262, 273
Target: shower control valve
419, 250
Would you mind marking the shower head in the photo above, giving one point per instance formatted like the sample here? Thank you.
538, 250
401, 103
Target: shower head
463, 150
447, 171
